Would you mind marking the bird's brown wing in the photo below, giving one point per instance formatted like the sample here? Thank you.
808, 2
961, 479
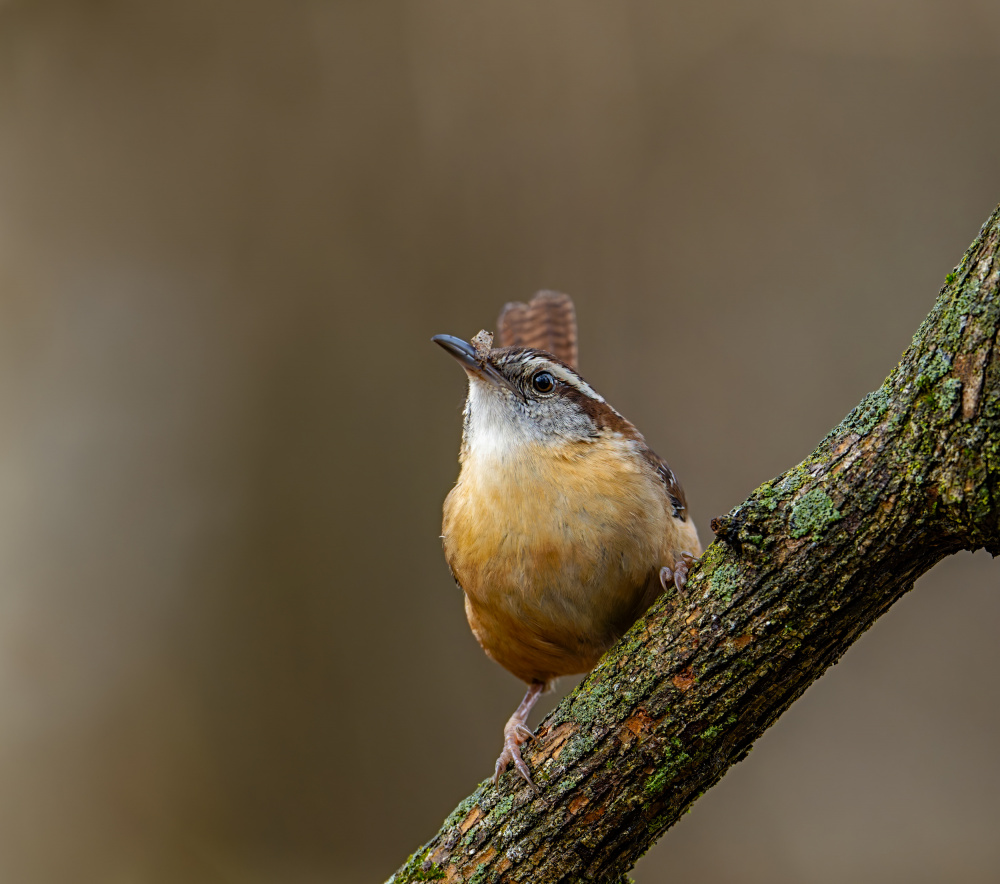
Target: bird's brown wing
670, 484
546, 322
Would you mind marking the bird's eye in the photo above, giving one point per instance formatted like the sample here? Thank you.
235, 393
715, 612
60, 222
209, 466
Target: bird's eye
543, 382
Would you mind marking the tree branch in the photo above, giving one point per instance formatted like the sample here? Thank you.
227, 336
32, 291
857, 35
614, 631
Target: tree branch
799, 571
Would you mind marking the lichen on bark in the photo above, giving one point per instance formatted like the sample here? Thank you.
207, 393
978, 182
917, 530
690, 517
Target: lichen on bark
799, 570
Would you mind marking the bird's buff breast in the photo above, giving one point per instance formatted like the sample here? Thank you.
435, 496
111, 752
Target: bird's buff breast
557, 552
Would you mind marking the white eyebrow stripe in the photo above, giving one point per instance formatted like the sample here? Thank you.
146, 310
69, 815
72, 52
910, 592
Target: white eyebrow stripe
568, 377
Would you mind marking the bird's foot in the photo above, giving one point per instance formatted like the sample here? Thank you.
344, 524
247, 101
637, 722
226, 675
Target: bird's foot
678, 575
515, 734
513, 738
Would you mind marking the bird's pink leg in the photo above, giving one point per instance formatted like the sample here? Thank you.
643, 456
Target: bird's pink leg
516, 732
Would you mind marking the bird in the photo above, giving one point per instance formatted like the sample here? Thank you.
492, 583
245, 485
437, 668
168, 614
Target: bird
563, 526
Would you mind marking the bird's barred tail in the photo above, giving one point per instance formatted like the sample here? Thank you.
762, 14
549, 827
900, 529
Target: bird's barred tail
546, 322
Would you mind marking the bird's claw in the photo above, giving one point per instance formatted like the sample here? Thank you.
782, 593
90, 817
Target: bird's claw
513, 737
677, 576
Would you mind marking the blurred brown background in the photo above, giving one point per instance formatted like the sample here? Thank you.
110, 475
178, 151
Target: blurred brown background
229, 647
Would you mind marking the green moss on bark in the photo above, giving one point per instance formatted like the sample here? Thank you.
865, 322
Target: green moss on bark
813, 514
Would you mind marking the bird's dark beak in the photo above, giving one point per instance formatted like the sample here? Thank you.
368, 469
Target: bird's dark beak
469, 359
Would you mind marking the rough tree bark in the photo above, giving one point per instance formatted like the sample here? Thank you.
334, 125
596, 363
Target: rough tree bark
798, 572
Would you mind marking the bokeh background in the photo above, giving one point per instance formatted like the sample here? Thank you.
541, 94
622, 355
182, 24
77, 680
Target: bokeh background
230, 650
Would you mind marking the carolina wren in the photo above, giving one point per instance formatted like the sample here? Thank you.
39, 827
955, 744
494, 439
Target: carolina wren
564, 525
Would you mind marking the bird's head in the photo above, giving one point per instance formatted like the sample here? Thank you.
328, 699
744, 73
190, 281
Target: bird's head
520, 396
